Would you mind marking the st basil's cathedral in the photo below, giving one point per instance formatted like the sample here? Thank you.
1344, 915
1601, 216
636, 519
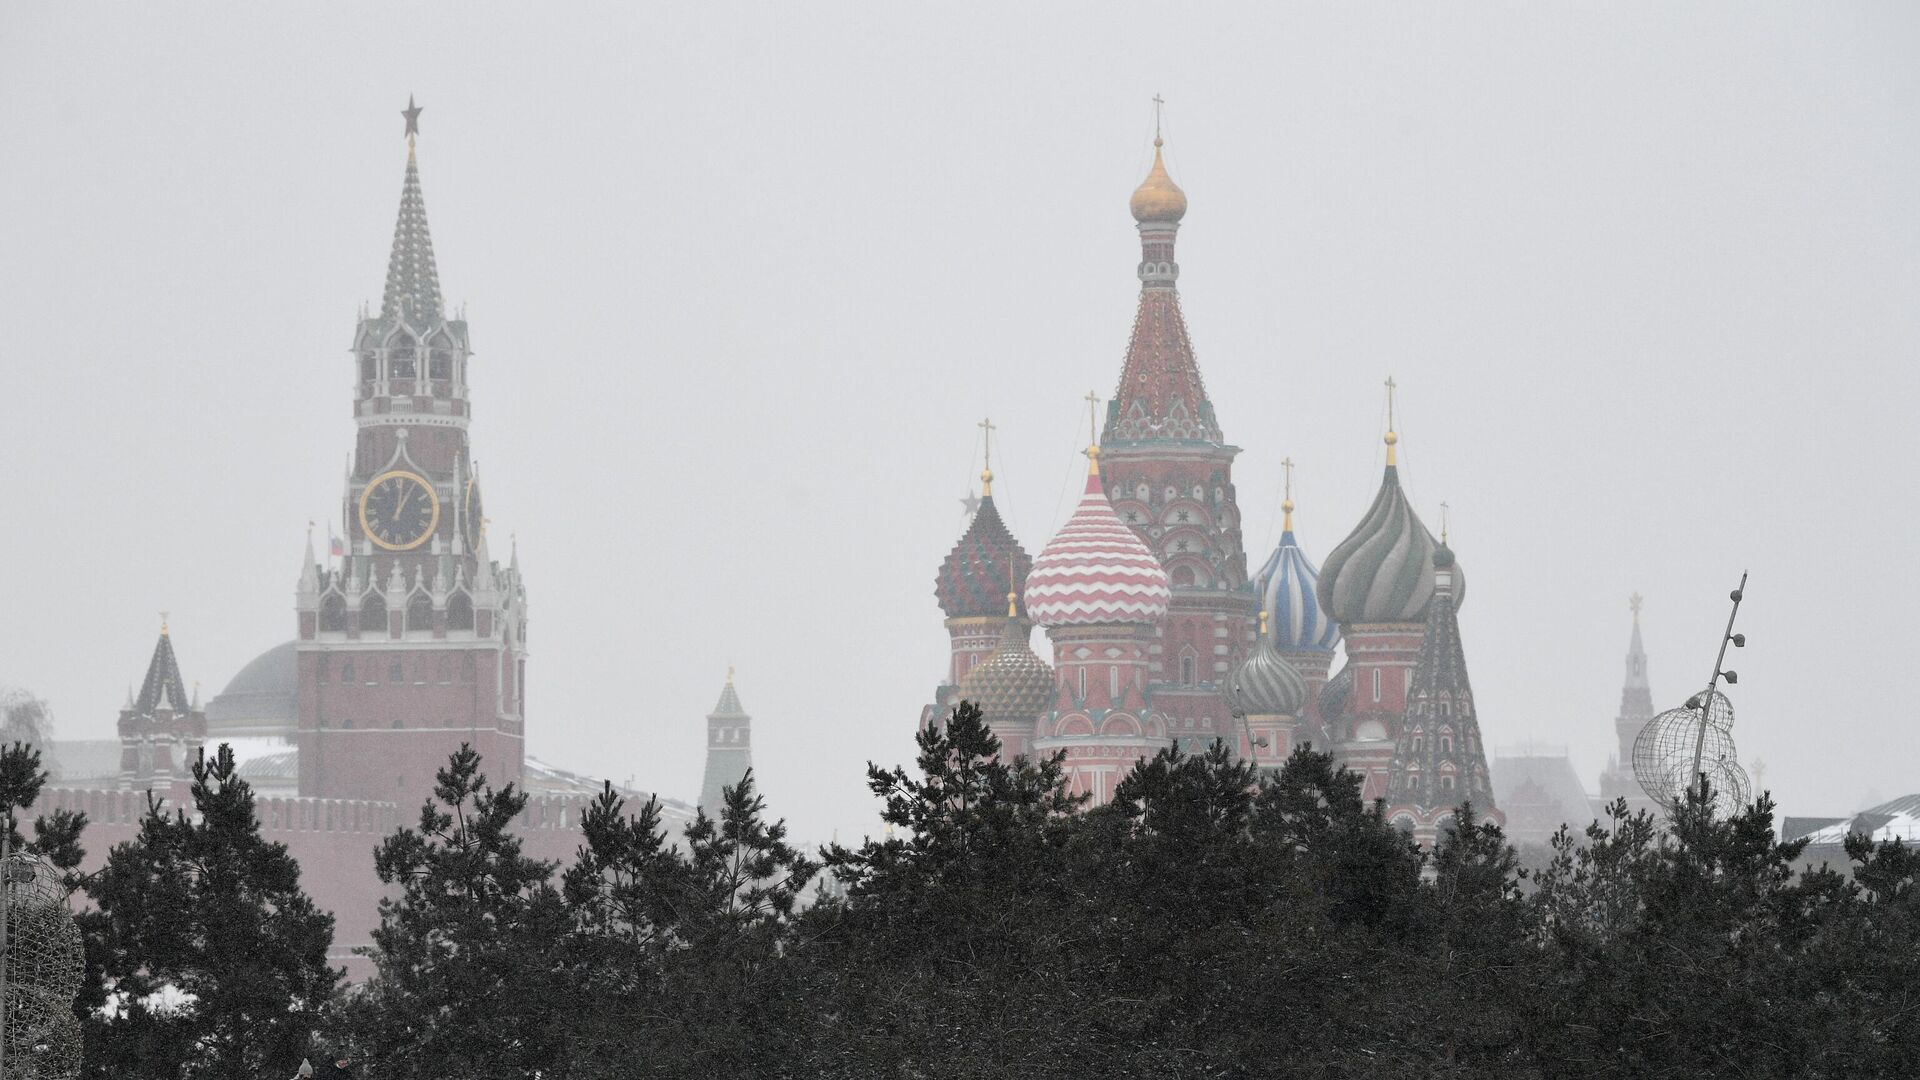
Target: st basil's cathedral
1160, 636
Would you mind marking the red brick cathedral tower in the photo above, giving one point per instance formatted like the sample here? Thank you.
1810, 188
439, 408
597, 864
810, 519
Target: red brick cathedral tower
1169, 474
416, 641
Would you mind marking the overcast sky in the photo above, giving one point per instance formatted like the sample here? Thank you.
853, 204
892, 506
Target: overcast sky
742, 280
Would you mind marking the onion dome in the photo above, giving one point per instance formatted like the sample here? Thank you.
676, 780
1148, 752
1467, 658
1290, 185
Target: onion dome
1096, 569
1013, 685
1383, 571
1265, 684
986, 565
1158, 198
1295, 622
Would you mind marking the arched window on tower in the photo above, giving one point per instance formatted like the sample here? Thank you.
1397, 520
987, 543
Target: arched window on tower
402, 359
373, 614
440, 364
333, 614
369, 367
459, 612
419, 612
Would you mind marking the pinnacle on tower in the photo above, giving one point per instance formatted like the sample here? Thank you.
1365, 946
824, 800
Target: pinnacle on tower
729, 748
413, 281
163, 687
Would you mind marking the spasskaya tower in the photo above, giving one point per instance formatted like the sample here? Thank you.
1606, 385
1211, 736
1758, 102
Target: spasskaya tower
413, 640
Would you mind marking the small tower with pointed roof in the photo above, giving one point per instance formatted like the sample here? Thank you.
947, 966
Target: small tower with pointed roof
1169, 472
162, 729
984, 566
729, 748
1439, 761
416, 641
1636, 708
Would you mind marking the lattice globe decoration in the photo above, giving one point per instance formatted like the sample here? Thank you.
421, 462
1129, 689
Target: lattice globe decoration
44, 965
1663, 754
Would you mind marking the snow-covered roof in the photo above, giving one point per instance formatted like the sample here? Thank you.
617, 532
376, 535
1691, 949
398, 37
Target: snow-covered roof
1898, 819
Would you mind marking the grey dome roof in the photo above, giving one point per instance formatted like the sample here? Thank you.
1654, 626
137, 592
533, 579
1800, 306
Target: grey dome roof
1266, 685
1383, 571
264, 698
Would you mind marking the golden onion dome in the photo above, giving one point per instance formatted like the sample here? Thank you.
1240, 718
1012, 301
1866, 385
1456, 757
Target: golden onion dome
1158, 198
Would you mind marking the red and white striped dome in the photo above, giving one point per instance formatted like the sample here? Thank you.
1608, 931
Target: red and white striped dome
1095, 570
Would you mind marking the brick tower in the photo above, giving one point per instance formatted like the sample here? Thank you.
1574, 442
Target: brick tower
1169, 474
416, 641
729, 748
162, 729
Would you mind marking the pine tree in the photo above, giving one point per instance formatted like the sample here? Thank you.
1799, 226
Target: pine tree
468, 958
56, 837
206, 960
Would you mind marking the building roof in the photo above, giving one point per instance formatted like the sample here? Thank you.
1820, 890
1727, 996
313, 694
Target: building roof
982, 568
1538, 790
1013, 685
163, 686
1287, 585
1266, 685
1383, 571
79, 760
1096, 569
1160, 396
413, 280
263, 698
1897, 819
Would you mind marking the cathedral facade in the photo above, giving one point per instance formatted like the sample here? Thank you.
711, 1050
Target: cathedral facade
1161, 637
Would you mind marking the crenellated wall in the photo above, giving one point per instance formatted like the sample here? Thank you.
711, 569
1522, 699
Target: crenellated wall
333, 840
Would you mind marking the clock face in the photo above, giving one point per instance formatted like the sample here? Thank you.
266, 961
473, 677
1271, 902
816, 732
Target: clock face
399, 510
473, 516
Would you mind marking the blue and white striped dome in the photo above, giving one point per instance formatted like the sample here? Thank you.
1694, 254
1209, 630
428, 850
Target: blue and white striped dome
1287, 585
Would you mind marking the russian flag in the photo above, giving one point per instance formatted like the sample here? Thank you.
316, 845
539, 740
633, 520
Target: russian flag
336, 547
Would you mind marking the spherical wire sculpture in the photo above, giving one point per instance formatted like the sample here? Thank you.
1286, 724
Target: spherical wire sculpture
1666, 750
44, 961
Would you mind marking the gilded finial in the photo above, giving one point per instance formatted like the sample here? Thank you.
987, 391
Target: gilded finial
1444, 508
1013, 607
1263, 623
1393, 436
986, 457
1158, 198
1286, 504
729, 673
1093, 434
163, 624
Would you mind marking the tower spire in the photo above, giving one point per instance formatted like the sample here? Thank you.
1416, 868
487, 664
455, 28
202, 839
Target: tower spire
1160, 397
413, 280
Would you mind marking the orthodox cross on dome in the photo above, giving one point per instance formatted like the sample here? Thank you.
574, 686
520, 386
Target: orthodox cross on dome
1158, 104
1634, 603
1286, 503
412, 113
986, 456
1444, 508
163, 624
1093, 423
1393, 436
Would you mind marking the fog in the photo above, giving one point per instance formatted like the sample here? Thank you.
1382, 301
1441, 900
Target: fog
743, 280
